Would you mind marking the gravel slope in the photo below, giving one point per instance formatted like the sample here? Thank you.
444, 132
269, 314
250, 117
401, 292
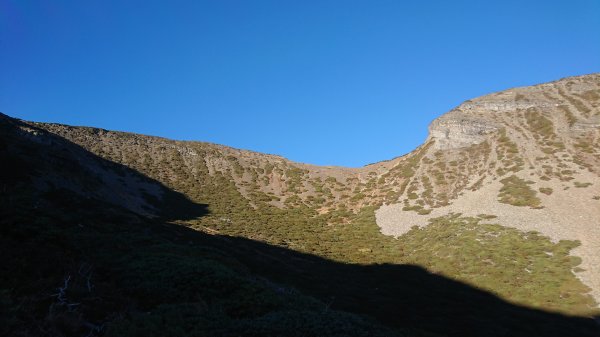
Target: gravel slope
570, 214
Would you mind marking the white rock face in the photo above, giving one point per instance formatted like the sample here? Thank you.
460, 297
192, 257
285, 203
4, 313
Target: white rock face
457, 129
503, 106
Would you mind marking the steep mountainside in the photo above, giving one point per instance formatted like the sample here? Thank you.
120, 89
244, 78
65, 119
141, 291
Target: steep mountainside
528, 157
503, 196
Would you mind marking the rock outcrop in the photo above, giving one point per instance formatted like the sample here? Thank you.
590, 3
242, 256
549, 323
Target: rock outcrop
457, 129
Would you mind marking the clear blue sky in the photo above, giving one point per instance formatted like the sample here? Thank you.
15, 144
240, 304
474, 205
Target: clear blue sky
326, 82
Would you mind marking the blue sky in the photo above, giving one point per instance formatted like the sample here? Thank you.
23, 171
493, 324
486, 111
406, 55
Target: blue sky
326, 82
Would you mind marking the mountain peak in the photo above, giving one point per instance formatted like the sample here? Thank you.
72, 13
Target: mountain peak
469, 123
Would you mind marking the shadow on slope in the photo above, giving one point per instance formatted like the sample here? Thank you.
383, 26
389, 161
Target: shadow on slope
75, 263
50, 163
406, 295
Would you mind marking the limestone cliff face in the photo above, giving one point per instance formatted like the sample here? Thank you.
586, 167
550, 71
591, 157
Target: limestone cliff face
457, 129
571, 104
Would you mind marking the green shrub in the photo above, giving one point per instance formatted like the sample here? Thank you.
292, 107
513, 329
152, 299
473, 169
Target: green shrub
581, 185
516, 191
